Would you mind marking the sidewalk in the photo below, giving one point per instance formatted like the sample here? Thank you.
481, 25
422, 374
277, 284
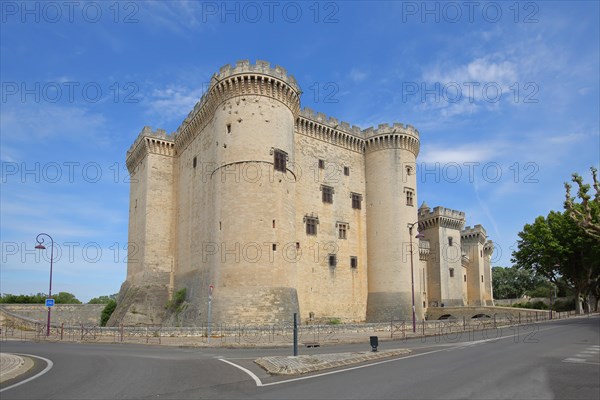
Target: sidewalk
289, 365
12, 365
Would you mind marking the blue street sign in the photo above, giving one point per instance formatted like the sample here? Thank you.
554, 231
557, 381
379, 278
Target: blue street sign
49, 302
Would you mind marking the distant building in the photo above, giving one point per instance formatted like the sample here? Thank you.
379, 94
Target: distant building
282, 210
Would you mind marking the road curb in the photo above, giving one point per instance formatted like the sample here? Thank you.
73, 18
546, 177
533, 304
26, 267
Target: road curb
13, 366
282, 365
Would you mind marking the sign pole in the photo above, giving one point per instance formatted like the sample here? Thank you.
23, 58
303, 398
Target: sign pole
209, 322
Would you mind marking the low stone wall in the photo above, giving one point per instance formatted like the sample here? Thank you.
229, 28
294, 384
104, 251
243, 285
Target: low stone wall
69, 314
434, 313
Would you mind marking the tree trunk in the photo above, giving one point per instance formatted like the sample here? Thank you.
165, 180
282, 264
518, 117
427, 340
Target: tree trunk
578, 308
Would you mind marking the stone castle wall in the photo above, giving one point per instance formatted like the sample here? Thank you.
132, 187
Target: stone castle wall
209, 206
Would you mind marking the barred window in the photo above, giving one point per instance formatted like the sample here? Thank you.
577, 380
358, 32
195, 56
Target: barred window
409, 197
342, 230
311, 225
280, 158
327, 194
356, 201
332, 260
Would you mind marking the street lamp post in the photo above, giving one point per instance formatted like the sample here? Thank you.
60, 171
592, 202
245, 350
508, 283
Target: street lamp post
40, 246
412, 275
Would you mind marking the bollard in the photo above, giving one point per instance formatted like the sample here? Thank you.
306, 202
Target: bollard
295, 334
374, 340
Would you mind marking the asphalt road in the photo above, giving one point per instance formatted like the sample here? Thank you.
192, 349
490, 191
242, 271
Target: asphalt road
552, 360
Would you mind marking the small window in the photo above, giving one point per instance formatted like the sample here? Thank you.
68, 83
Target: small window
332, 260
353, 262
409, 170
347, 171
481, 278
274, 247
481, 253
280, 158
311, 225
321, 164
194, 162
228, 128
342, 230
356, 200
297, 245
327, 194
465, 278
451, 272
409, 197
273, 223
450, 241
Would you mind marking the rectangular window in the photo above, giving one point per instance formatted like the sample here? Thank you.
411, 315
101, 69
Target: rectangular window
327, 194
311, 225
409, 197
321, 164
482, 278
353, 262
347, 171
342, 230
356, 200
280, 158
451, 272
450, 241
332, 260
228, 128
465, 278
194, 162
274, 247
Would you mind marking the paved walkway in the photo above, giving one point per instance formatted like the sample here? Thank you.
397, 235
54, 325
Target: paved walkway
282, 365
12, 365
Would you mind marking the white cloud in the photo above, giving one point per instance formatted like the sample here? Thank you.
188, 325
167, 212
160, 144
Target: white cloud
357, 75
173, 102
458, 154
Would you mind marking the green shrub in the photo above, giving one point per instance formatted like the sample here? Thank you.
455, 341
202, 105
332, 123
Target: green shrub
564, 305
175, 305
107, 312
334, 321
536, 305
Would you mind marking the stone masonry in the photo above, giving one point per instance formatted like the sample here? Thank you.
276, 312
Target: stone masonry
282, 210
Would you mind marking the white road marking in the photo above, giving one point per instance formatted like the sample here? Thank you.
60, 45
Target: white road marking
48, 367
256, 379
260, 383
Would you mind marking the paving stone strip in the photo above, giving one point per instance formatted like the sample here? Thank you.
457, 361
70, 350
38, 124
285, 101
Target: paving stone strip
290, 365
12, 365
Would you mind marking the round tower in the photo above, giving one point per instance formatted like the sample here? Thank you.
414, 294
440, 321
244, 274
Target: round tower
391, 197
253, 182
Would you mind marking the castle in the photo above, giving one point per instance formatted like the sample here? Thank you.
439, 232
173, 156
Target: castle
267, 210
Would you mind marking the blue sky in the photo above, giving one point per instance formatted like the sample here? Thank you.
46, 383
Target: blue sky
505, 96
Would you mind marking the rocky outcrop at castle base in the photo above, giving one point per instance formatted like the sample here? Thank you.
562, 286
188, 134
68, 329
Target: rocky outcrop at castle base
140, 305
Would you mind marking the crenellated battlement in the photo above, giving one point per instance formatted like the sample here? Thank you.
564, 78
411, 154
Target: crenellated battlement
260, 67
477, 233
149, 141
244, 79
441, 216
386, 129
331, 122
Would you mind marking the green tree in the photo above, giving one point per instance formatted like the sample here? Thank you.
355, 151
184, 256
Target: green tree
107, 312
65, 298
513, 282
557, 247
586, 213
103, 299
